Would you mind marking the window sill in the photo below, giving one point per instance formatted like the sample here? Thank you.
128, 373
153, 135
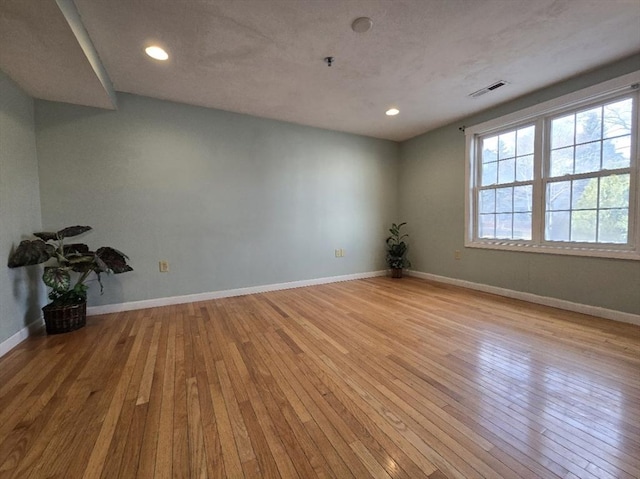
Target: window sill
625, 254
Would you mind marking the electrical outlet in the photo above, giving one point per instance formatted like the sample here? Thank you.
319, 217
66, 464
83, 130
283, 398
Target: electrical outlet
457, 254
337, 252
164, 266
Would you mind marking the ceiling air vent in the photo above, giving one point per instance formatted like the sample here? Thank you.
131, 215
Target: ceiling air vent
482, 91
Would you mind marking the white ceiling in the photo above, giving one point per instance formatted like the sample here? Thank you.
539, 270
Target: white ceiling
265, 57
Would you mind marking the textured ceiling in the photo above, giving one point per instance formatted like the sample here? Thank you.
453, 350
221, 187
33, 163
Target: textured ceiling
265, 57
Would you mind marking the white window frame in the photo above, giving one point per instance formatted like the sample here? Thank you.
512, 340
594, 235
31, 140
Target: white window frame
626, 84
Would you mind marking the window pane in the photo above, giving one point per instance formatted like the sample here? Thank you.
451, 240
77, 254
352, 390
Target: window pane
506, 171
562, 131
487, 226
558, 196
589, 125
504, 228
504, 200
616, 153
613, 226
490, 149
562, 162
588, 157
489, 173
614, 191
507, 145
487, 201
526, 137
583, 226
585, 194
522, 197
617, 118
522, 226
524, 168
557, 226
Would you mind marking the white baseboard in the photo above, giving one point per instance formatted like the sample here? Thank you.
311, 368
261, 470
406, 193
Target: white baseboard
10, 343
534, 298
192, 298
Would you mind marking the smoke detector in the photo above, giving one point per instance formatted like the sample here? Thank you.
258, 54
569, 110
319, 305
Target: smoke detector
362, 25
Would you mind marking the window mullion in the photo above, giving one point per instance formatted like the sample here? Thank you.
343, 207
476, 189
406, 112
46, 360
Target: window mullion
634, 176
477, 172
539, 169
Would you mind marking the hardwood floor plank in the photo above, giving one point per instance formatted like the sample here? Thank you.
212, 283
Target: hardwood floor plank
41, 412
71, 394
197, 453
289, 457
132, 428
212, 441
164, 453
230, 456
331, 423
402, 379
369, 461
241, 436
149, 446
101, 447
180, 454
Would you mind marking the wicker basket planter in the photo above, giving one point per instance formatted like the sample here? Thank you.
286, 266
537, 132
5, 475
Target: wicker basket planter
64, 318
396, 272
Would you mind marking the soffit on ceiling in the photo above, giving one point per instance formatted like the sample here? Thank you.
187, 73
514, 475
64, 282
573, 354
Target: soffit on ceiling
39, 51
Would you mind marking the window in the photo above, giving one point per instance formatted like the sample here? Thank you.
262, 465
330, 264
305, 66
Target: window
505, 193
561, 177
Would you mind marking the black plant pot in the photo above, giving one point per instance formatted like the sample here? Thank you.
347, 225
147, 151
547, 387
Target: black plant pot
64, 318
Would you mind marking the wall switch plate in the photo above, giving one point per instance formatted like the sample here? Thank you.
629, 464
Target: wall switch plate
164, 266
457, 254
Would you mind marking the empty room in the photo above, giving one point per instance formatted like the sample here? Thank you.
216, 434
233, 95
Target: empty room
320, 238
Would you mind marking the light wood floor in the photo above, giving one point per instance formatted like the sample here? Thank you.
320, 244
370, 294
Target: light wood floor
369, 378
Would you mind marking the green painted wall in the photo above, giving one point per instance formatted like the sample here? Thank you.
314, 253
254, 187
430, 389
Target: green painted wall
432, 191
21, 292
229, 200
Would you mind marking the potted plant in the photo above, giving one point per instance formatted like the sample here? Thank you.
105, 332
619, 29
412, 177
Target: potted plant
397, 250
68, 308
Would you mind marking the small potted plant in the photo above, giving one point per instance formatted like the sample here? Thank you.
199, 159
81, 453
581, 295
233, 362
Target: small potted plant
68, 308
397, 250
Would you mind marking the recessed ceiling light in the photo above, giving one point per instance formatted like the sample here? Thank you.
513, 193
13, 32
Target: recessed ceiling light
392, 112
156, 52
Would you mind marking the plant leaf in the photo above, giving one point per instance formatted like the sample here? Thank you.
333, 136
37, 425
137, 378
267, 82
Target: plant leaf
81, 259
57, 278
115, 260
75, 249
81, 263
31, 252
71, 231
46, 236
